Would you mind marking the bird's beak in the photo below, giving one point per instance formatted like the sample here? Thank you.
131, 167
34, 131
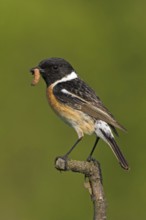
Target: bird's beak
32, 70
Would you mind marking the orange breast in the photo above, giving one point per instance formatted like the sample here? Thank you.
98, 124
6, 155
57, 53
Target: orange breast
75, 118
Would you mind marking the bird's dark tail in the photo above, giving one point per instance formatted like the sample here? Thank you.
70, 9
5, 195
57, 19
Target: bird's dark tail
103, 131
116, 150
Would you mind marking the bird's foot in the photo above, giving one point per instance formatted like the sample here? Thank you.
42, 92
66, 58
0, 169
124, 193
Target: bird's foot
90, 158
96, 163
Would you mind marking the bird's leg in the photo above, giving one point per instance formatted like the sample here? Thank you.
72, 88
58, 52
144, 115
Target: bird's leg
89, 158
71, 149
65, 157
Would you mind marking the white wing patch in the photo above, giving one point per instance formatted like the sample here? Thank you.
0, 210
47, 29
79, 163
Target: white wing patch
69, 77
71, 94
66, 92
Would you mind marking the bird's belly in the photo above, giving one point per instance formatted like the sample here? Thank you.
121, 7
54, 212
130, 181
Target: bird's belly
80, 121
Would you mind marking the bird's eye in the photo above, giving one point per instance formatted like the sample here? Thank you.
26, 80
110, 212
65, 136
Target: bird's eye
55, 67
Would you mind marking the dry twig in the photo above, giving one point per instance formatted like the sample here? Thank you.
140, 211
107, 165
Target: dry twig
93, 183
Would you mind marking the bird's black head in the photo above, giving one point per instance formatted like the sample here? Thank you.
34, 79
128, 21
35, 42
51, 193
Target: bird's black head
54, 69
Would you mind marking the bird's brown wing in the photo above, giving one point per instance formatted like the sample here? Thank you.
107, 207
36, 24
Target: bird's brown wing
79, 96
100, 114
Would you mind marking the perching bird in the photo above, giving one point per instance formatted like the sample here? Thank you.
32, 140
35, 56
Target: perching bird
78, 105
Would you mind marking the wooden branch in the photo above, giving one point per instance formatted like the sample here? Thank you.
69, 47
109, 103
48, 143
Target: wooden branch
93, 182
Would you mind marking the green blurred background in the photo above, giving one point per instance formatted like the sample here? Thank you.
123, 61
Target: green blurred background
106, 43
